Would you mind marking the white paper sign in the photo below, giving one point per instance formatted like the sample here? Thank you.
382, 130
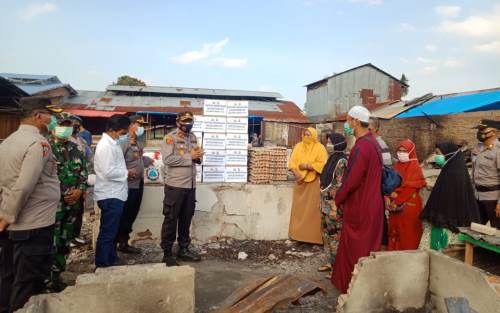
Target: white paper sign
198, 123
237, 108
214, 158
237, 157
213, 174
236, 175
236, 141
215, 107
214, 124
237, 125
214, 141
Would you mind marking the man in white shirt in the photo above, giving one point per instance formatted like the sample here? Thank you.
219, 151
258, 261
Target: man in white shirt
111, 187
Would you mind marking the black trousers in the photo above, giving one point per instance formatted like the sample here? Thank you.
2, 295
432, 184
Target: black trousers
178, 209
487, 210
26, 260
130, 211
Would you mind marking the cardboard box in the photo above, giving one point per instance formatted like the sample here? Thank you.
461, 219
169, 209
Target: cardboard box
214, 124
236, 141
198, 125
237, 125
214, 158
199, 173
215, 108
237, 174
236, 157
237, 108
214, 141
213, 174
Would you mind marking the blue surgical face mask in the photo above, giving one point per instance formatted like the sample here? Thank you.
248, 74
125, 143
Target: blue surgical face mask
122, 139
52, 124
140, 131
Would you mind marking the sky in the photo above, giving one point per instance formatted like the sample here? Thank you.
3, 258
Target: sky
264, 45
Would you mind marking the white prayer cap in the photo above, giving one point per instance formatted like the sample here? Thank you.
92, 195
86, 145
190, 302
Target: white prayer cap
360, 113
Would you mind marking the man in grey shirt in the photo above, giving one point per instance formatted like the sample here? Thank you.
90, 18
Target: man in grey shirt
29, 196
135, 162
374, 127
486, 172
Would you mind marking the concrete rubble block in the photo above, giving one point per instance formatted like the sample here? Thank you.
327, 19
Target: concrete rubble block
452, 278
387, 281
123, 289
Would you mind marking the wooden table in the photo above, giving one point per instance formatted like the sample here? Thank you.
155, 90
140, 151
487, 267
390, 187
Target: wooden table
470, 243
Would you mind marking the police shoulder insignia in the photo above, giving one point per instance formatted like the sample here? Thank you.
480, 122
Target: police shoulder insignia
46, 149
169, 140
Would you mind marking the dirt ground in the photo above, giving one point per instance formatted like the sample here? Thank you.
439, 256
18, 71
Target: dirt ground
221, 271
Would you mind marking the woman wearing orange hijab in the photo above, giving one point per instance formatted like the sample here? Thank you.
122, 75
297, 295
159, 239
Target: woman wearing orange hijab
405, 226
307, 162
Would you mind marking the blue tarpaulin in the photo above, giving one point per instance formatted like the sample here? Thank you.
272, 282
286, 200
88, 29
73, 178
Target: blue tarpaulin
484, 101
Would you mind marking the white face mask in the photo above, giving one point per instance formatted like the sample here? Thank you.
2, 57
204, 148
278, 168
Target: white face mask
403, 157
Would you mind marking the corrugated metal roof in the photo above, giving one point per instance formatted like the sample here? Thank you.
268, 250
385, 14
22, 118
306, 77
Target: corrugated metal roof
34, 84
454, 104
108, 101
353, 69
194, 91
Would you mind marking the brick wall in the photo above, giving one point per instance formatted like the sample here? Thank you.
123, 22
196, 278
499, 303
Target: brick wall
425, 134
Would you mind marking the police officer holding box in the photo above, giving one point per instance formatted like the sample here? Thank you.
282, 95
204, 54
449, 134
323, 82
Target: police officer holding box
180, 154
29, 195
486, 171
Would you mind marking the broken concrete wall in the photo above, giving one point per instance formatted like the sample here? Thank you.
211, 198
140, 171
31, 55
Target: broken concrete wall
415, 280
123, 289
385, 281
242, 211
452, 278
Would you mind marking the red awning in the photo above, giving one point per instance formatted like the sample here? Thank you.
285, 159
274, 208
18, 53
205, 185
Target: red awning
93, 113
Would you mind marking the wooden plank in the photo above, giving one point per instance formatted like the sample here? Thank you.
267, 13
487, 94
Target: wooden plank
469, 253
458, 305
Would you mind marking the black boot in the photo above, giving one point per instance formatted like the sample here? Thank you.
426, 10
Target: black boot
187, 255
170, 260
126, 248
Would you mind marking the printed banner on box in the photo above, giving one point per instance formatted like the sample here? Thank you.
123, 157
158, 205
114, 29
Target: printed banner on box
214, 158
214, 124
237, 125
215, 107
237, 157
237, 108
213, 174
214, 141
236, 141
235, 175
198, 123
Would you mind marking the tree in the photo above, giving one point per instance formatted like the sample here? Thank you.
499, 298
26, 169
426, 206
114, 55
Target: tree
404, 82
126, 80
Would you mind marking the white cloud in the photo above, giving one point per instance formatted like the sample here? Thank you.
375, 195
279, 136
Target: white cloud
229, 62
474, 26
207, 50
37, 9
405, 27
491, 47
430, 69
369, 2
431, 47
308, 3
453, 63
425, 60
449, 11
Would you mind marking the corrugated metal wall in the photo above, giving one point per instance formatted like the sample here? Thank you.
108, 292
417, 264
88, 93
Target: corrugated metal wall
343, 92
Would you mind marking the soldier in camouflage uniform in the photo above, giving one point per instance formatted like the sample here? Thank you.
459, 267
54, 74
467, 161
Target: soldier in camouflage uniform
72, 173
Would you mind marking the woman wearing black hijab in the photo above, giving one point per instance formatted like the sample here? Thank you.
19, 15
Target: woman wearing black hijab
452, 203
331, 216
